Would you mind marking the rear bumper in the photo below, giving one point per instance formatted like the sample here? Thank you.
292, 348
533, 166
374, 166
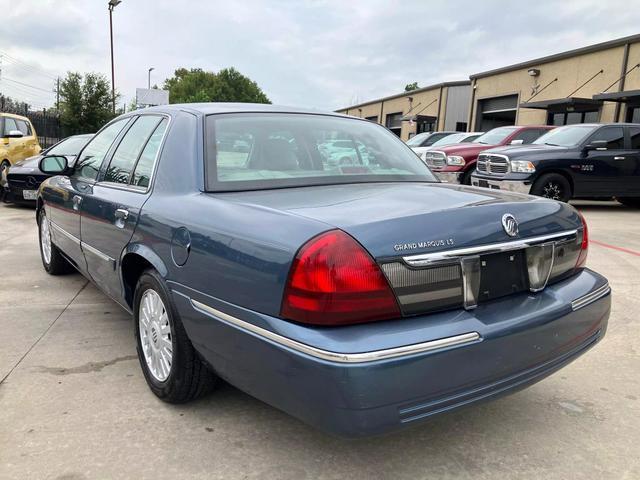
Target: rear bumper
509, 344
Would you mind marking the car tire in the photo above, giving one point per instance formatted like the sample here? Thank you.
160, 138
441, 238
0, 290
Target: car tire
4, 164
553, 186
633, 202
53, 261
171, 366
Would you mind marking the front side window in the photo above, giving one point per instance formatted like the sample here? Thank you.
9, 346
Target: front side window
417, 140
258, 151
634, 133
88, 165
130, 147
495, 136
614, 136
566, 136
9, 125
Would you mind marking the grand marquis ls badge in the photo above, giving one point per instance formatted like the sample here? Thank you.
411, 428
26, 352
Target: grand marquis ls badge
510, 224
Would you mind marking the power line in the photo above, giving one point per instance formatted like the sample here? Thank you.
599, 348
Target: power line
25, 92
38, 70
27, 85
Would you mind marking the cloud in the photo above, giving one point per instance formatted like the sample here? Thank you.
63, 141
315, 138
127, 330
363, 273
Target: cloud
322, 53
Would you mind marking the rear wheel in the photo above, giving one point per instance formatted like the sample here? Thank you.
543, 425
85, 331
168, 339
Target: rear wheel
171, 366
633, 202
52, 260
553, 186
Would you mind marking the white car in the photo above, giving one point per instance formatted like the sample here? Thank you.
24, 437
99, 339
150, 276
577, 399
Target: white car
460, 137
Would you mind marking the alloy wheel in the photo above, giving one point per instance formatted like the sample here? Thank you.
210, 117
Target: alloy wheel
155, 335
45, 239
553, 191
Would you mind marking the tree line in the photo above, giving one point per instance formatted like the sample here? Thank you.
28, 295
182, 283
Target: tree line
86, 104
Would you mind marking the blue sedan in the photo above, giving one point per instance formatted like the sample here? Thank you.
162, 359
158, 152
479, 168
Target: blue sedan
359, 295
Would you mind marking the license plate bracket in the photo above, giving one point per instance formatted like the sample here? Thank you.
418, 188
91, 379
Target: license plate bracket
483, 183
502, 274
30, 194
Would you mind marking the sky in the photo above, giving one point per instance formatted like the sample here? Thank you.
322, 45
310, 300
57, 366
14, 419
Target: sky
323, 54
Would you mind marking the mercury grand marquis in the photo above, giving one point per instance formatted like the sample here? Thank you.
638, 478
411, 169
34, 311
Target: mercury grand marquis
359, 296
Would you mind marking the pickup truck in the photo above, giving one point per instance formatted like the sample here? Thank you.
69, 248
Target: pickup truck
455, 163
576, 161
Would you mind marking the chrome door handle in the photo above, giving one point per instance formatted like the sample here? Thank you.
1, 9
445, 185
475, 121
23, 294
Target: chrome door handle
122, 214
618, 158
77, 200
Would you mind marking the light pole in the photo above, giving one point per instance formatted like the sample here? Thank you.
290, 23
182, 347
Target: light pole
149, 78
112, 4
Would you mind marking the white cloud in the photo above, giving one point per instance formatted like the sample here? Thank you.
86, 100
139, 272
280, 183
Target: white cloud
321, 53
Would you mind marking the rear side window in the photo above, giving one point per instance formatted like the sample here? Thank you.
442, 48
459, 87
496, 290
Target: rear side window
88, 164
635, 137
125, 157
144, 167
23, 127
528, 136
614, 137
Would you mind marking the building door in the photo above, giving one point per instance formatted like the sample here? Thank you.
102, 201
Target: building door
394, 122
496, 112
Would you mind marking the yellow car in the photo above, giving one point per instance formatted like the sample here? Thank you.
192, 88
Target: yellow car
18, 140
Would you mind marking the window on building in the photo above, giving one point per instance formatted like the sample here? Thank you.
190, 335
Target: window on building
572, 118
394, 122
373, 118
461, 126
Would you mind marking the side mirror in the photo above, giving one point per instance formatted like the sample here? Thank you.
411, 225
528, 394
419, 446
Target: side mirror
516, 142
54, 164
14, 134
599, 145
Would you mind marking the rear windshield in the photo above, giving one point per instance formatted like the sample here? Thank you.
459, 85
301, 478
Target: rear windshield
251, 151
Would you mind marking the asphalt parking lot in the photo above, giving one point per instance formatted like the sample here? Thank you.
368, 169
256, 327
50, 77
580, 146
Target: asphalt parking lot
74, 403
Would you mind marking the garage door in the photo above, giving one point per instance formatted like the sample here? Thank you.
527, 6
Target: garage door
496, 112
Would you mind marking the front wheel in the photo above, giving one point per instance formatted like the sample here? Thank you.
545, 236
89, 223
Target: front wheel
52, 260
4, 165
171, 366
633, 202
553, 186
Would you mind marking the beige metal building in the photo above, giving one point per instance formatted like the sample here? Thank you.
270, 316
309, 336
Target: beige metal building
598, 83
444, 106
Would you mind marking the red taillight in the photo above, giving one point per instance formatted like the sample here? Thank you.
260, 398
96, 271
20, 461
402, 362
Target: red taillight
584, 247
334, 281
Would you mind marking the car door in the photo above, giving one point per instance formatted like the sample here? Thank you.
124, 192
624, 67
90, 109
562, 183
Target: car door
66, 194
31, 145
110, 211
601, 169
630, 183
15, 146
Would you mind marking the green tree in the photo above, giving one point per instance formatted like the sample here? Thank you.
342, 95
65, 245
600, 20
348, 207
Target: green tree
228, 85
411, 86
85, 102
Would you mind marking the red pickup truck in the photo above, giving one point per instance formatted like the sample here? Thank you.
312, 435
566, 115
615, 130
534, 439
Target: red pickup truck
455, 163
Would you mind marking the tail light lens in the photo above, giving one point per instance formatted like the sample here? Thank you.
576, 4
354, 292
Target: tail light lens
584, 247
334, 281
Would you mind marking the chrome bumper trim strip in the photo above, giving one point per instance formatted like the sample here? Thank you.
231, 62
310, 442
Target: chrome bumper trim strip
591, 297
454, 341
429, 258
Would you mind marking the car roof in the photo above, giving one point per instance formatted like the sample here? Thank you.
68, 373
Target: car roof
13, 115
223, 107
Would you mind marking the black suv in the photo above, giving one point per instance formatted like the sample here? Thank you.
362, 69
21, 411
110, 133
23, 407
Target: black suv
576, 161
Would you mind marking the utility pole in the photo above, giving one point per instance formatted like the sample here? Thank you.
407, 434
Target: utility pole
149, 78
58, 96
112, 5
